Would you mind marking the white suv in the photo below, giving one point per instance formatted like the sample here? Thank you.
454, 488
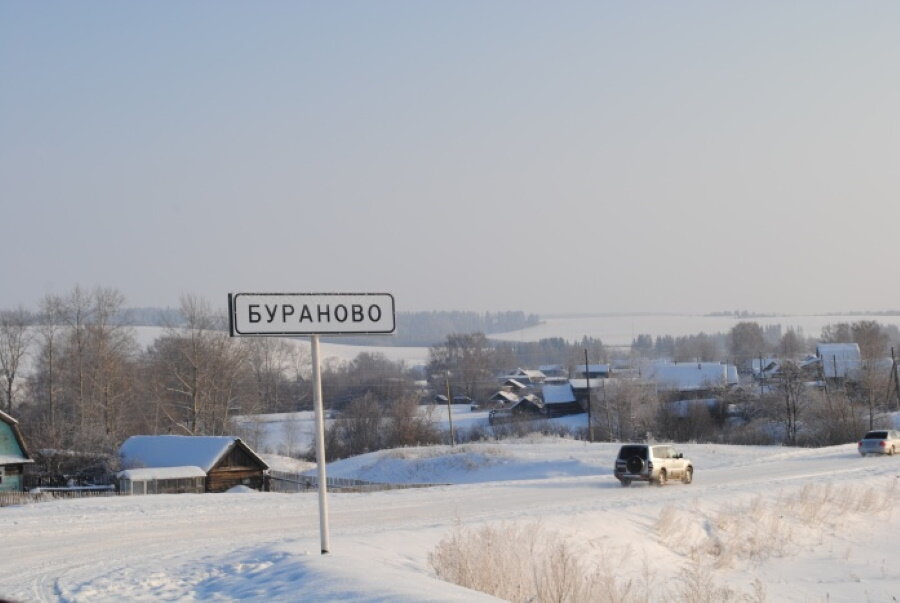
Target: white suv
656, 463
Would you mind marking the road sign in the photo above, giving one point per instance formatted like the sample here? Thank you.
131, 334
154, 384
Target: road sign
288, 314
312, 314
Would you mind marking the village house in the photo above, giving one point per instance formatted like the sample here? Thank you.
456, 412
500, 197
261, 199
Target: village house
525, 376
839, 360
176, 464
560, 400
592, 371
691, 380
13, 455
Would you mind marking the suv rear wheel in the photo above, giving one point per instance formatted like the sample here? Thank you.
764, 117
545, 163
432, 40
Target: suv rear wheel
661, 480
625, 482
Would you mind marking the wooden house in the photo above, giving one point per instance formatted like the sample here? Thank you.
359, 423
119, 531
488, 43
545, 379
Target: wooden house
174, 464
560, 400
13, 455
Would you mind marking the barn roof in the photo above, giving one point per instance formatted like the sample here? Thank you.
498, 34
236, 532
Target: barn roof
558, 394
151, 473
504, 396
178, 451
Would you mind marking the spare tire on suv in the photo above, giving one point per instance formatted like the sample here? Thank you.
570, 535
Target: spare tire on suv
654, 463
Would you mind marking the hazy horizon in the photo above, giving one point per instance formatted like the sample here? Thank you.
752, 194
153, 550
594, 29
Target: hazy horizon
553, 158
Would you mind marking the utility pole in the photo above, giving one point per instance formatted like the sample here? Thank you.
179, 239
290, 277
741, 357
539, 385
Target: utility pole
587, 375
894, 375
450, 411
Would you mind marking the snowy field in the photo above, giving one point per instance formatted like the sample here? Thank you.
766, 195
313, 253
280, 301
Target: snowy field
764, 523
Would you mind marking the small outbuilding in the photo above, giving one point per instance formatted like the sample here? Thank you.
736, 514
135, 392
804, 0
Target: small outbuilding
175, 464
13, 455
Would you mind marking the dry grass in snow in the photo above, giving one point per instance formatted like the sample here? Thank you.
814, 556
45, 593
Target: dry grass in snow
528, 562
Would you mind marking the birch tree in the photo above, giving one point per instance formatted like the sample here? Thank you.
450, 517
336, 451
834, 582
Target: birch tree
15, 339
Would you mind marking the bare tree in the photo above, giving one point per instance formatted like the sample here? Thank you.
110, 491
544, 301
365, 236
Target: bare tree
470, 362
205, 372
357, 430
111, 353
84, 382
792, 387
836, 333
792, 344
270, 362
696, 348
75, 312
15, 339
409, 425
871, 338
46, 380
834, 418
623, 409
746, 341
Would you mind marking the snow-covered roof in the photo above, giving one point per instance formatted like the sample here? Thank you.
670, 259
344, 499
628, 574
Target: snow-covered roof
151, 473
521, 373
838, 348
558, 394
839, 359
175, 451
506, 396
687, 376
592, 368
515, 383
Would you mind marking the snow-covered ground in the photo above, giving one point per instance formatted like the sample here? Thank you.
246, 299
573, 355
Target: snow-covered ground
292, 433
769, 523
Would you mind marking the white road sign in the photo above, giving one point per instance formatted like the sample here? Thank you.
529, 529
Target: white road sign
286, 314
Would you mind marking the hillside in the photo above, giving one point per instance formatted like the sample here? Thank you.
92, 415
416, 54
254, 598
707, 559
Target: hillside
767, 523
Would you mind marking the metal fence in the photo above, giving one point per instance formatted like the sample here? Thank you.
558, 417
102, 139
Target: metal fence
8, 499
281, 481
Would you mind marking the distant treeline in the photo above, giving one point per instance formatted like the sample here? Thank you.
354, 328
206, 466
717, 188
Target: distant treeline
414, 329
425, 329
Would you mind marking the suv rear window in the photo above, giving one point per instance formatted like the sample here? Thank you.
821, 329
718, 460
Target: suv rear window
876, 435
626, 452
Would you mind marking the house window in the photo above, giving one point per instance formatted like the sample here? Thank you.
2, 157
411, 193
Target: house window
2, 474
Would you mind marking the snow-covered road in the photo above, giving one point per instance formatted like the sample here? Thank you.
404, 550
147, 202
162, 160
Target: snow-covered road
266, 546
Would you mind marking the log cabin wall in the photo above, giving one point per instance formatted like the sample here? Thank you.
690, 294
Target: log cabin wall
236, 468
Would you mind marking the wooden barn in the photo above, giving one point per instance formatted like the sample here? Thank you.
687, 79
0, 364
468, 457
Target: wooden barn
13, 455
174, 464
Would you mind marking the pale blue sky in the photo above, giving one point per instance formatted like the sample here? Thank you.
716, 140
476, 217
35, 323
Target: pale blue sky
543, 156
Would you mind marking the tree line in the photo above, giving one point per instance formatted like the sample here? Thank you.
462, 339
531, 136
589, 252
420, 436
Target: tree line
78, 378
76, 374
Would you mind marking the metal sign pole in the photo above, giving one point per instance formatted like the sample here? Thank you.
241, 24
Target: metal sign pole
320, 443
312, 314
